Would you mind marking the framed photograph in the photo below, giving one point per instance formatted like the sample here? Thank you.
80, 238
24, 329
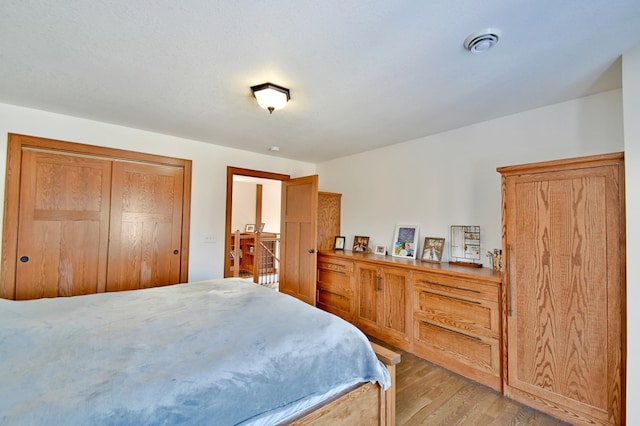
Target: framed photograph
250, 227
381, 250
262, 227
360, 243
405, 241
339, 243
432, 249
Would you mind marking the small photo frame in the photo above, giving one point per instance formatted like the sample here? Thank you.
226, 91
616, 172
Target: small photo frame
432, 249
405, 241
262, 227
381, 250
360, 243
339, 243
250, 227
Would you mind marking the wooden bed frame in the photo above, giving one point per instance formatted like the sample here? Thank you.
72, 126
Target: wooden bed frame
366, 403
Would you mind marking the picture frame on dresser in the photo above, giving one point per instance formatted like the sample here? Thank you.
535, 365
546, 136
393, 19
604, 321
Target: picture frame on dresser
338, 243
405, 241
432, 249
250, 227
381, 250
360, 243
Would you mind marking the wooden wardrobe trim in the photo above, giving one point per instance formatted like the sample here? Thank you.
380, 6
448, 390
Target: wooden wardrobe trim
17, 142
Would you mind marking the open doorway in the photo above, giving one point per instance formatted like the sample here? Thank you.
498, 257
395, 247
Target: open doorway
252, 236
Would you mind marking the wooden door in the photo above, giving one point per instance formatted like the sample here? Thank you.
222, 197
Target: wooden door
367, 289
146, 226
395, 317
564, 326
298, 251
63, 225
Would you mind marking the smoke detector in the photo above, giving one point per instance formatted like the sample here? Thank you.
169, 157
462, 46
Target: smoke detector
482, 41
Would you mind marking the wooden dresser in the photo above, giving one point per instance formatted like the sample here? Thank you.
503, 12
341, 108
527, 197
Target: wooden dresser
447, 314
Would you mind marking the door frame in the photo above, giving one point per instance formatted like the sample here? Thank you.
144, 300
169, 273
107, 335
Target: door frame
238, 171
16, 143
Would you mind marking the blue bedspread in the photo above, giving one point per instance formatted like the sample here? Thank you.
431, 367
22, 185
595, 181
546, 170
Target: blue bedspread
217, 352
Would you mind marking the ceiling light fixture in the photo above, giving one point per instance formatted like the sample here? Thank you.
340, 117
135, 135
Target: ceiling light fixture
271, 96
482, 41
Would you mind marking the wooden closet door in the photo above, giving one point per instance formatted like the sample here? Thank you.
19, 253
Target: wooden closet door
63, 225
146, 226
564, 322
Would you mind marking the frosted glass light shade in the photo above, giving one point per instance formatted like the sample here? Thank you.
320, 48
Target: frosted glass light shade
271, 96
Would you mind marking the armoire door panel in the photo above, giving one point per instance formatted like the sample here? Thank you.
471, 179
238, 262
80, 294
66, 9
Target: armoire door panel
62, 225
146, 226
556, 250
564, 230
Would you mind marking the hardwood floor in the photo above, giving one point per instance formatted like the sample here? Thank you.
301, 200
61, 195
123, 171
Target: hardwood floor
430, 395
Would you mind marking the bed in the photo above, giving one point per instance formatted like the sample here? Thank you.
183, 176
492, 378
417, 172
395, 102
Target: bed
212, 352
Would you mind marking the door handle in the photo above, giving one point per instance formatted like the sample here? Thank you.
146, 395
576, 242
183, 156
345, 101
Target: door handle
510, 284
176, 251
24, 259
312, 251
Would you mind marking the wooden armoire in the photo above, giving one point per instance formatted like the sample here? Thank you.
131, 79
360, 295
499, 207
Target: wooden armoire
81, 219
564, 300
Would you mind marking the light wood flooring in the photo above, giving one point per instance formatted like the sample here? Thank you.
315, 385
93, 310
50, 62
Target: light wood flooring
430, 395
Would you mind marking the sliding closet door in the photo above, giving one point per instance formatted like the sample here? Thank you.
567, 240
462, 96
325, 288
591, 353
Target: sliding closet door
146, 226
63, 225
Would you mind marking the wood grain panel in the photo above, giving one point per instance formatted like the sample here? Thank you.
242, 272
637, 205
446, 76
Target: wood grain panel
63, 225
564, 227
146, 230
328, 219
57, 203
394, 289
367, 295
299, 231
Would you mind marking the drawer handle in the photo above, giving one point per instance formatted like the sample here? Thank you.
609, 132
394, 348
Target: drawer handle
451, 286
475, 302
331, 267
452, 331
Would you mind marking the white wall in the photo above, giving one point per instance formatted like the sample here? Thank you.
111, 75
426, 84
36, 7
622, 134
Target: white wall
243, 202
209, 175
631, 90
271, 205
451, 179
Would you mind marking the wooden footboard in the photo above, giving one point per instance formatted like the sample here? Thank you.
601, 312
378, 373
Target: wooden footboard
367, 403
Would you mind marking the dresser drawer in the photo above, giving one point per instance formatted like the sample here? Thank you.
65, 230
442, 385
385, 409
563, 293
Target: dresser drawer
336, 265
476, 317
334, 282
333, 302
334, 287
475, 357
457, 287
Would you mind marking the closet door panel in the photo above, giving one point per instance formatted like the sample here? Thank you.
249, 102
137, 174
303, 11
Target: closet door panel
146, 226
565, 303
62, 226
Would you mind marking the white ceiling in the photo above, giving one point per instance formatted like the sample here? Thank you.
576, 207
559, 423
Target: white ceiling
362, 74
